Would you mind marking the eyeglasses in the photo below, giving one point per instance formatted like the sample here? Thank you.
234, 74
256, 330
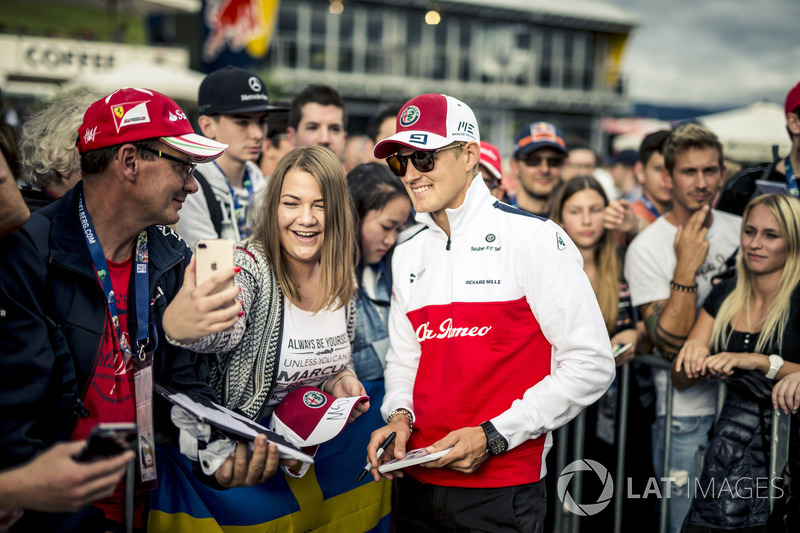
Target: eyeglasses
183, 162
536, 160
421, 159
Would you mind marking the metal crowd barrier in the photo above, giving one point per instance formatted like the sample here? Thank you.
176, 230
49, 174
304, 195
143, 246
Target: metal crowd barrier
779, 449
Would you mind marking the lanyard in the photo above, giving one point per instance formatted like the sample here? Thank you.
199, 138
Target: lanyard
791, 180
239, 211
649, 205
140, 279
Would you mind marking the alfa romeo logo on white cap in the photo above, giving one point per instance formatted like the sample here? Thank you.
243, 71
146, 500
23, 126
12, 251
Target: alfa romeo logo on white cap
589, 509
314, 399
410, 116
254, 84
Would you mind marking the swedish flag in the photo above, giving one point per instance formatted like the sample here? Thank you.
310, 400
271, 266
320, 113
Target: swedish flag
325, 500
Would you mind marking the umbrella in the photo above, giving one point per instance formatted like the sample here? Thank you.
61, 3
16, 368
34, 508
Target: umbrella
748, 133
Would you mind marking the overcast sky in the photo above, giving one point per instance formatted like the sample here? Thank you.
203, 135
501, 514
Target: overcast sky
714, 53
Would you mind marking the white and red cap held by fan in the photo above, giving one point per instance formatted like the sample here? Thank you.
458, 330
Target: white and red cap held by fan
308, 416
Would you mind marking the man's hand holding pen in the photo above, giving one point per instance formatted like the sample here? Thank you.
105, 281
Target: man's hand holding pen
395, 449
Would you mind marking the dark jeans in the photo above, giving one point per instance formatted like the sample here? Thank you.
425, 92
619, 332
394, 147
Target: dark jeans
430, 508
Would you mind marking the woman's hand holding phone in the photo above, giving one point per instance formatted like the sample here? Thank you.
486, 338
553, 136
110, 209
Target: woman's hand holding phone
204, 309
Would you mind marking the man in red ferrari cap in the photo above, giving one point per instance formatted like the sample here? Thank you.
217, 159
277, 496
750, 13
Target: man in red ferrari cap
84, 286
491, 167
496, 338
783, 171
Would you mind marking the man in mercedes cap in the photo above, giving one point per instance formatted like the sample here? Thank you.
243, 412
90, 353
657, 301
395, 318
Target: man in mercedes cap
233, 104
496, 336
84, 286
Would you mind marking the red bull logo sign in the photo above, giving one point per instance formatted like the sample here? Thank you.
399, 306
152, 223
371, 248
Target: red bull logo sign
238, 25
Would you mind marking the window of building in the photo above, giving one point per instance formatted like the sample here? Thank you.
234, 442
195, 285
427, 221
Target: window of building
346, 24
545, 58
316, 51
374, 56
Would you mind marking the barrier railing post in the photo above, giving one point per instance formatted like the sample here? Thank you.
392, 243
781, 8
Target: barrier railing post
562, 443
778, 450
577, 454
663, 516
622, 435
722, 391
129, 495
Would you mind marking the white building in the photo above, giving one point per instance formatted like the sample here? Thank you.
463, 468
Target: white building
512, 61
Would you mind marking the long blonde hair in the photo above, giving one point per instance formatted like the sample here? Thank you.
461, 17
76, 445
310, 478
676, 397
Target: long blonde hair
786, 210
609, 265
339, 246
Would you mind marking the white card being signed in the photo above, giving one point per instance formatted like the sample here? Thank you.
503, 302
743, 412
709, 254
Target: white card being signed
414, 457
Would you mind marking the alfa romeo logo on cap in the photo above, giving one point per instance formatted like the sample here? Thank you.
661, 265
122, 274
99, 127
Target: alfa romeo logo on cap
254, 84
410, 116
314, 399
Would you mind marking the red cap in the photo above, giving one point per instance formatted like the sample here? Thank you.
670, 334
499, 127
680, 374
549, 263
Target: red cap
428, 122
793, 99
490, 158
308, 416
130, 115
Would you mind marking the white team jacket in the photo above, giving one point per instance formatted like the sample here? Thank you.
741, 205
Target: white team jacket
500, 323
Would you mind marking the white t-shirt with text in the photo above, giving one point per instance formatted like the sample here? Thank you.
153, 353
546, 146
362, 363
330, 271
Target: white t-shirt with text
314, 348
649, 267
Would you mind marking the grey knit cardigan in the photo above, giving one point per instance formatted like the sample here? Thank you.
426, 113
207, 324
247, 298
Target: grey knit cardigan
245, 361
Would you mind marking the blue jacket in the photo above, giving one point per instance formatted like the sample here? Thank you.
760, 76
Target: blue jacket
47, 272
372, 337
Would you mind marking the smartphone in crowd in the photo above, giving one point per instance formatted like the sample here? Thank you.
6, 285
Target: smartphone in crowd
619, 349
214, 255
108, 439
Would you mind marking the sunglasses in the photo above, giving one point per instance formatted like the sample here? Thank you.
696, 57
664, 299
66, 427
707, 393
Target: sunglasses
183, 162
422, 160
536, 160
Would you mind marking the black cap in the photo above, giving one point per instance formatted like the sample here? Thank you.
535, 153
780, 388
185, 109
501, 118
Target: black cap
233, 90
625, 157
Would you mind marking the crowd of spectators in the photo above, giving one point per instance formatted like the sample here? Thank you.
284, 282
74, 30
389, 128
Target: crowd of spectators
470, 307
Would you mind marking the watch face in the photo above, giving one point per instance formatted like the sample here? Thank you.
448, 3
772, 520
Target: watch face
499, 446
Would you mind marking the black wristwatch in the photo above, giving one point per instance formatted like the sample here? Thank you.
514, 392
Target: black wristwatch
495, 442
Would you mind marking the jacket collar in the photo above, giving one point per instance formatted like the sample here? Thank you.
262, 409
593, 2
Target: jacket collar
462, 217
68, 246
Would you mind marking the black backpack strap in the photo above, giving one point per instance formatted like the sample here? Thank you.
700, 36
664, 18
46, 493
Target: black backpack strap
214, 209
70, 403
767, 172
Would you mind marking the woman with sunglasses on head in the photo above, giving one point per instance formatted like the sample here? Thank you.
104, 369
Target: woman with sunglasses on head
746, 334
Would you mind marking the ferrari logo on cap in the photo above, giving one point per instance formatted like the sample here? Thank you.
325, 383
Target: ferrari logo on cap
409, 116
130, 114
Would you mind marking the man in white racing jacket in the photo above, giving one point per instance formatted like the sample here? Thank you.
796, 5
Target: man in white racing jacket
496, 336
